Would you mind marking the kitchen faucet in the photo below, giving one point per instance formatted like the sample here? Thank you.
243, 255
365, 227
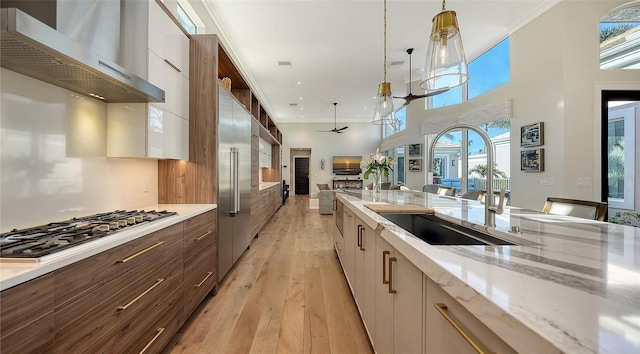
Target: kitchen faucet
490, 210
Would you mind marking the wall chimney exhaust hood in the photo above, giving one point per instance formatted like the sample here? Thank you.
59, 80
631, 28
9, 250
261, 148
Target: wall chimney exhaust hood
32, 48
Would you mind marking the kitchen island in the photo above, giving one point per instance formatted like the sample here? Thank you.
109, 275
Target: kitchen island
568, 285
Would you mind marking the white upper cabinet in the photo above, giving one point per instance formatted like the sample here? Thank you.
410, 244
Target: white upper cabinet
154, 48
265, 153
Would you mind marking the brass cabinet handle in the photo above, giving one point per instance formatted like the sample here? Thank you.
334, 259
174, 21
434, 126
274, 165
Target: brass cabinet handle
172, 65
362, 239
391, 289
141, 295
203, 236
159, 330
141, 252
384, 266
358, 239
203, 280
442, 308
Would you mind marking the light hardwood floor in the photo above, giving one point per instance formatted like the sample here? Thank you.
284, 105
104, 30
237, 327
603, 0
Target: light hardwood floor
287, 294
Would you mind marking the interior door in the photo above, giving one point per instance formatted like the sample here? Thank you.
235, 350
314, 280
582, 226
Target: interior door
620, 131
302, 175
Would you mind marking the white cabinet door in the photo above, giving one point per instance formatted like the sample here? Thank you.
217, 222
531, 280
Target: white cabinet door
399, 301
175, 86
365, 275
349, 229
167, 40
383, 338
145, 130
441, 335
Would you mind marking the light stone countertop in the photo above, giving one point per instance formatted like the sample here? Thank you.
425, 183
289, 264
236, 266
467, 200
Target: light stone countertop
15, 273
576, 283
265, 185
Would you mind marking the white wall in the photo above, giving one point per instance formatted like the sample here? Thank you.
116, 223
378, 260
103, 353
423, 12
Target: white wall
53, 144
554, 75
359, 139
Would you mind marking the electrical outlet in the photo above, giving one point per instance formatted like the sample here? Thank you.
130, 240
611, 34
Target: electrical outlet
145, 186
584, 181
547, 181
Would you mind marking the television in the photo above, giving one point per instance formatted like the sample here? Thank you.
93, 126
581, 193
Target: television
347, 165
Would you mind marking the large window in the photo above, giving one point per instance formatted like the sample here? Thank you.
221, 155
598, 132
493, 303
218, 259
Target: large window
186, 21
401, 116
486, 72
489, 70
621, 154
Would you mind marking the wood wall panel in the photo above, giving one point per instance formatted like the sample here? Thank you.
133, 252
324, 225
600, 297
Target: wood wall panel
196, 181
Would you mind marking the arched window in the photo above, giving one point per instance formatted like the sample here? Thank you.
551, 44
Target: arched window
620, 38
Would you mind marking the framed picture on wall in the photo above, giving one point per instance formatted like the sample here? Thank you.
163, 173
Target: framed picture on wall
415, 149
532, 135
532, 160
415, 165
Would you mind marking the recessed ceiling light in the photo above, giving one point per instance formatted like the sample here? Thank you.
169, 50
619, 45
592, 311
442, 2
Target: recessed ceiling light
299, 83
299, 98
301, 108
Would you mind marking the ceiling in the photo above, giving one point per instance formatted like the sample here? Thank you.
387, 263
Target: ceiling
336, 48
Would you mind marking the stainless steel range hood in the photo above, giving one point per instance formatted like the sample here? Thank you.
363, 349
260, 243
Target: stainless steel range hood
32, 48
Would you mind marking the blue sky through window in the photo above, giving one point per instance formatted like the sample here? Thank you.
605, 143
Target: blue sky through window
489, 70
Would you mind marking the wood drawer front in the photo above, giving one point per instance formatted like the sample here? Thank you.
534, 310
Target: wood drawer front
25, 303
94, 322
442, 337
198, 282
81, 277
200, 234
36, 337
155, 330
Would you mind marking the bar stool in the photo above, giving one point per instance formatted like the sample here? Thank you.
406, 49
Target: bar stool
573, 207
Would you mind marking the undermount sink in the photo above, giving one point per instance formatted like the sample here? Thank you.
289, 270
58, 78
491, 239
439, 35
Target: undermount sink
436, 231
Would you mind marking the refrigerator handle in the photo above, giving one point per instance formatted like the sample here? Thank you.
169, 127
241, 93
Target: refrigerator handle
236, 182
233, 181
235, 208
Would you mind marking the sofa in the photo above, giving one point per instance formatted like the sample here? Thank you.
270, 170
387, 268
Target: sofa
325, 199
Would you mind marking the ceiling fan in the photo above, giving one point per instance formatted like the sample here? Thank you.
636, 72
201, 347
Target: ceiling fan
335, 127
411, 97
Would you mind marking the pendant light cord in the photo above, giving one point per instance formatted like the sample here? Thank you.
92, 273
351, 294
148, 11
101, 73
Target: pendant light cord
443, 5
385, 40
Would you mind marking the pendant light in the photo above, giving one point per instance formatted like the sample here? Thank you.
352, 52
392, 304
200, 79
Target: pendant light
445, 66
384, 112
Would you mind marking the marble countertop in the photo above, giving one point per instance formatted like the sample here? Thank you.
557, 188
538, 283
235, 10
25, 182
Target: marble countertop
265, 185
14, 273
573, 282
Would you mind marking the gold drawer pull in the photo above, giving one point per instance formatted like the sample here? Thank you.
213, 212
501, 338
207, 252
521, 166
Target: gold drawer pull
159, 330
203, 236
391, 289
442, 308
141, 252
384, 266
141, 295
203, 280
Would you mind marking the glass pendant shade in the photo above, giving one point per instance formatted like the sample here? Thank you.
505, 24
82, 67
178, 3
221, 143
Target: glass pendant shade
384, 113
445, 64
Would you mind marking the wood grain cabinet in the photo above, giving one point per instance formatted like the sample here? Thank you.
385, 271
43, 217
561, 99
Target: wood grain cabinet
200, 259
26, 311
446, 321
131, 298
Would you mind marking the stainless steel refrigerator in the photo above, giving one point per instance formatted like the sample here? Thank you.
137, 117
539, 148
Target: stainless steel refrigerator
234, 180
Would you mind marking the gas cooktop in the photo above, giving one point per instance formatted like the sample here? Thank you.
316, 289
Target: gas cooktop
35, 242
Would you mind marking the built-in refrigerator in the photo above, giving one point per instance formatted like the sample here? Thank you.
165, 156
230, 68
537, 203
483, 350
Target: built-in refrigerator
234, 180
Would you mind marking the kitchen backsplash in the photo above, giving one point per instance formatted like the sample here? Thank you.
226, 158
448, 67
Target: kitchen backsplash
52, 157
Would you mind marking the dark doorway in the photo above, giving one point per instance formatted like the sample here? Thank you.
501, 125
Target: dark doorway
302, 175
620, 128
